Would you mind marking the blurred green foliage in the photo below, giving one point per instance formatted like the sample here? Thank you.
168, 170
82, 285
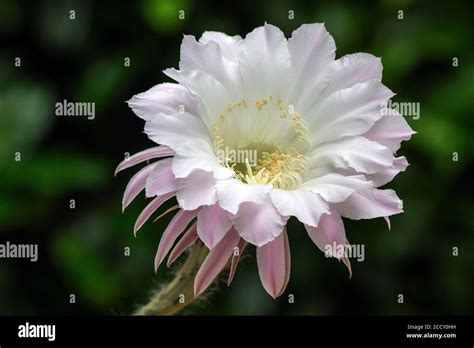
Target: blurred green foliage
82, 250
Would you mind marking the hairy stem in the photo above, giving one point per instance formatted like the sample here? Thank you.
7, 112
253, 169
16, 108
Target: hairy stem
179, 293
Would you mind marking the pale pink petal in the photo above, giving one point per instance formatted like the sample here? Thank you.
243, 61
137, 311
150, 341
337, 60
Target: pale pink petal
215, 262
176, 129
212, 224
232, 192
358, 153
386, 175
238, 251
273, 265
168, 98
336, 188
330, 237
161, 180
198, 154
173, 208
370, 204
196, 190
348, 112
136, 185
188, 239
312, 50
287, 263
390, 131
351, 69
305, 205
260, 223
154, 152
176, 226
150, 209
260, 77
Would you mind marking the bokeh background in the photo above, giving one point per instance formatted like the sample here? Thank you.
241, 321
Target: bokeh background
64, 158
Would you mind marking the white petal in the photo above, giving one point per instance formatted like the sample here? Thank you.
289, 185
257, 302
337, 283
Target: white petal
312, 50
330, 230
198, 154
210, 59
213, 96
212, 224
348, 112
390, 131
161, 180
260, 223
232, 192
386, 175
196, 190
175, 130
351, 69
230, 45
370, 204
337, 188
167, 98
306, 206
358, 153
265, 63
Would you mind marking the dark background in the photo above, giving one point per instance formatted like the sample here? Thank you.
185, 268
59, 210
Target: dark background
81, 250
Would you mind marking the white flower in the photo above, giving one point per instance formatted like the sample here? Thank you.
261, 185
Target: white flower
316, 125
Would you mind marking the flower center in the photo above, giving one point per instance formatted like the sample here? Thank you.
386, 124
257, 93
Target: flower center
263, 142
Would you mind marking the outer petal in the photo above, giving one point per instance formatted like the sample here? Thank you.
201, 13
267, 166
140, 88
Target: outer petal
161, 180
150, 209
231, 193
198, 154
188, 239
175, 130
212, 224
210, 59
145, 155
370, 204
215, 262
336, 188
230, 45
358, 153
385, 176
390, 131
352, 69
167, 98
273, 261
312, 50
196, 190
265, 63
235, 259
258, 224
330, 234
136, 185
302, 203
176, 226
348, 112
213, 96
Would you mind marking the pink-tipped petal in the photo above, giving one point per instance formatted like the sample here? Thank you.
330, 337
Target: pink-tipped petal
387, 220
272, 265
161, 180
173, 208
287, 263
235, 260
188, 239
215, 261
154, 152
136, 185
176, 226
150, 209
212, 224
